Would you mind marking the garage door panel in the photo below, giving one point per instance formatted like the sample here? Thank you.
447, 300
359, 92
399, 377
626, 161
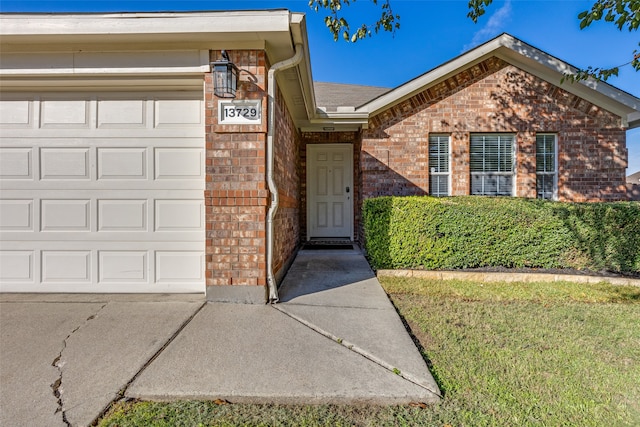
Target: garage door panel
64, 163
36, 239
172, 114
182, 266
102, 193
122, 163
89, 192
112, 139
59, 133
108, 268
127, 239
126, 215
122, 113
66, 266
122, 215
115, 185
16, 113
179, 163
178, 112
65, 215
123, 267
17, 267
179, 215
16, 215
64, 113
16, 164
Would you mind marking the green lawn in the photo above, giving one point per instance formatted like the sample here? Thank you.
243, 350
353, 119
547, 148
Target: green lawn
504, 354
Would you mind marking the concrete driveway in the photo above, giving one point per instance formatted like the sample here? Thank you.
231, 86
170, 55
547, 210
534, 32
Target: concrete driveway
64, 358
335, 338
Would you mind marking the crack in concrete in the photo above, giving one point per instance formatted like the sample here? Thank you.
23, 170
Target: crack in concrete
58, 363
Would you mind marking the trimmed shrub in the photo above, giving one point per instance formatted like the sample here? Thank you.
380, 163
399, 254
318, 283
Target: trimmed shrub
469, 232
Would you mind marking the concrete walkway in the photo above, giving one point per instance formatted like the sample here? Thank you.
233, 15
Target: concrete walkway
334, 338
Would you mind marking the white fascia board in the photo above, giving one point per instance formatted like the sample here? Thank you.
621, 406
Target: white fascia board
139, 26
340, 119
299, 37
331, 128
269, 30
333, 125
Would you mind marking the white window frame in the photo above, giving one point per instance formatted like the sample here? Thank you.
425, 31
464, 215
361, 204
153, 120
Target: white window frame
554, 173
432, 171
511, 173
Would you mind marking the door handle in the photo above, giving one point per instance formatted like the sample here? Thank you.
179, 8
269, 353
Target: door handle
347, 189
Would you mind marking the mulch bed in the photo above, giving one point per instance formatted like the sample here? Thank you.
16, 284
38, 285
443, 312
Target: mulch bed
550, 271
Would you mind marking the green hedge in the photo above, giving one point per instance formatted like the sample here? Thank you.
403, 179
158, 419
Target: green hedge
468, 232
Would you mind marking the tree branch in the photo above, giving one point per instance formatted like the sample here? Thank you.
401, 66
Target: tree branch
622, 13
338, 25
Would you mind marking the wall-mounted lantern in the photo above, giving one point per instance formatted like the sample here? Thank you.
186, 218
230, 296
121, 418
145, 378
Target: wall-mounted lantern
225, 77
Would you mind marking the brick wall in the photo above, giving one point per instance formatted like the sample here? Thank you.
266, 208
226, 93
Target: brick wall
287, 178
236, 195
493, 96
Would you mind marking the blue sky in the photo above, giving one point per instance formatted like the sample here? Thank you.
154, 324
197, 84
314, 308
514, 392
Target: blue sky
432, 32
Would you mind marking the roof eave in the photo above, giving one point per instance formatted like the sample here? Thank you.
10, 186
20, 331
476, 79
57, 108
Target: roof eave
306, 94
269, 30
340, 121
52, 38
139, 27
633, 120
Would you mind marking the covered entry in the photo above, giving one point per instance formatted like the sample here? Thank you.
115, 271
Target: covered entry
330, 191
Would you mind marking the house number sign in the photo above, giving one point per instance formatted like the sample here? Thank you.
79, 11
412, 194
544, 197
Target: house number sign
245, 112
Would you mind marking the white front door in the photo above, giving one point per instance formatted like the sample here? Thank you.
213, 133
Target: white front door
330, 191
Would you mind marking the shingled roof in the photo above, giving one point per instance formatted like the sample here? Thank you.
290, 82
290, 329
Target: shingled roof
330, 96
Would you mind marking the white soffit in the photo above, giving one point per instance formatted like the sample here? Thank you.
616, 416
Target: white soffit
529, 59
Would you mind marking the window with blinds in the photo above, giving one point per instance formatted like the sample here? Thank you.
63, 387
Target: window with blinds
491, 159
439, 165
546, 170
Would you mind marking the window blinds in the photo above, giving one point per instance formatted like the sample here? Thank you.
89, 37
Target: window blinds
491, 162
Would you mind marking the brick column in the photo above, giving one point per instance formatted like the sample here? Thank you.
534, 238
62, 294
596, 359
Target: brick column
526, 165
236, 195
460, 172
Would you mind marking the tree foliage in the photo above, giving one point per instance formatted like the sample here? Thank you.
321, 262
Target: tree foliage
624, 14
338, 25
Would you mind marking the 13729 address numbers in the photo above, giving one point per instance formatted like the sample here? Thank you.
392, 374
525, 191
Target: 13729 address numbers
240, 112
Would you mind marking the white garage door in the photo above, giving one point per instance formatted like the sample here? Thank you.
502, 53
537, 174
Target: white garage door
102, 192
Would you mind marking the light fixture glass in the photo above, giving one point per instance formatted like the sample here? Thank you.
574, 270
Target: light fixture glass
225, 77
